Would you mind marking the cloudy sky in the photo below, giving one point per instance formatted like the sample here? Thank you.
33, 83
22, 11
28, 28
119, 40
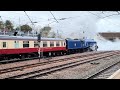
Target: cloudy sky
90, 22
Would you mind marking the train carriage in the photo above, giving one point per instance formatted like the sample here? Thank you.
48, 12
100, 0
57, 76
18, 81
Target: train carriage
18, 46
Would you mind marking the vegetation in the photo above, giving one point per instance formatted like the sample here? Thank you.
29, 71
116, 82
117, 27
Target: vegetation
52, 35
45, 31
8, 25
25, 28
1, 25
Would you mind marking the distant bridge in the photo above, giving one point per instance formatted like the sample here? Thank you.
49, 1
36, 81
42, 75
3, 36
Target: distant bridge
110, 35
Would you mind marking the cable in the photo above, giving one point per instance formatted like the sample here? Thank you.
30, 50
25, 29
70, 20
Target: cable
111, 14
29, 18
102, 18
54, 16
94, 14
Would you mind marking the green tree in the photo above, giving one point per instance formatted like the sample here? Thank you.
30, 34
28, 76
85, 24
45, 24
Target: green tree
9, 25
1, 25
45, 31
25, 28
52, 35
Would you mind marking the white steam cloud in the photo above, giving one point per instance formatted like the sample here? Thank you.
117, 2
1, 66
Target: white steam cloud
106, 45
90, 25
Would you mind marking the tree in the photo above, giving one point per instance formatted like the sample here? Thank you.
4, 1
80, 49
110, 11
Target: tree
45, 31
1, 25
25, 28
9, 25
52, 35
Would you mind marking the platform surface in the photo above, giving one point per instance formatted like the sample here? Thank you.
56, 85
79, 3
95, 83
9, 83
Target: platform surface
116, 75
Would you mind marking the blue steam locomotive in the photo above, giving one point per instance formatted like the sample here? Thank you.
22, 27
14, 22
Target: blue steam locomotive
77, 45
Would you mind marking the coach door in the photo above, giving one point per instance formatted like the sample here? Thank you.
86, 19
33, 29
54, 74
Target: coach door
16, 43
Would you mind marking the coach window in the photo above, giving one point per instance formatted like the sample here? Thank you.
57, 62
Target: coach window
35, 44
44, 44
25, 44
51, 44
57, 43
4, 44
16, 44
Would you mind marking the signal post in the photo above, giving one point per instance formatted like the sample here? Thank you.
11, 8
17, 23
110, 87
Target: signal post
39, 40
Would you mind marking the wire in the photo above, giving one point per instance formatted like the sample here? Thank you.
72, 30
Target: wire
111, 15
29, 18
103, 18
94, 14
54, 16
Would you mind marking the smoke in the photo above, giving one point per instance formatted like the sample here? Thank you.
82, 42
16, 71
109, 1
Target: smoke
106, 45
79, 27
89, 26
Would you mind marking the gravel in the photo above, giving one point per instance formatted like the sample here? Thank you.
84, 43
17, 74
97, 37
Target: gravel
82, 71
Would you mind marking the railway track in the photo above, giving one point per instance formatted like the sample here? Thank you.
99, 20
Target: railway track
6, 70
16, 60
100, 74
86, 70
62, 66
19, 60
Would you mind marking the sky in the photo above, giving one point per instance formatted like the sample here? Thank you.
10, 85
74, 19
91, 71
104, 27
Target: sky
80, 21
89, 22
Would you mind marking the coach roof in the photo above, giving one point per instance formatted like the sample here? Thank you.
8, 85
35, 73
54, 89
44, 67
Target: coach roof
5, 37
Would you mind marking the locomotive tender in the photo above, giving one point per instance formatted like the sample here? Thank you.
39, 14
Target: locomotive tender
26, 46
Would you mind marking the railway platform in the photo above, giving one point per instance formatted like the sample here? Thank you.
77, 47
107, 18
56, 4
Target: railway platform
116, 75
